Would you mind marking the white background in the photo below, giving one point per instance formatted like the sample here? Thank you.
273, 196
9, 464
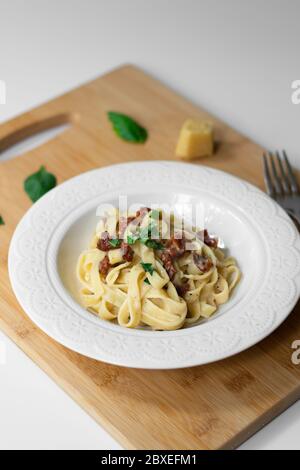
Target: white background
237, 58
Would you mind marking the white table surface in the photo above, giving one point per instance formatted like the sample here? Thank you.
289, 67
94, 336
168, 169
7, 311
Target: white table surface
236, 58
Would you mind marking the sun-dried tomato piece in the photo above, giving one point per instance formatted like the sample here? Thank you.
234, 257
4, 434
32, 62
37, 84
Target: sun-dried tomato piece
175, 247
127, 252
168, 264
208, 240
104, 266
134, 219
182, 288
142, 212
103, 242
123, 224
202, 262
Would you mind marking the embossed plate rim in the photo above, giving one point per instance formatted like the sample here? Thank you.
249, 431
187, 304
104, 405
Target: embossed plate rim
213, 341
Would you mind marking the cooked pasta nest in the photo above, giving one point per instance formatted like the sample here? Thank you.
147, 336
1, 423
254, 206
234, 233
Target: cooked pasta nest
144, 270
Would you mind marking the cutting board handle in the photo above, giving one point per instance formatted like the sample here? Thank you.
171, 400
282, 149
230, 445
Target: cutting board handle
19, 129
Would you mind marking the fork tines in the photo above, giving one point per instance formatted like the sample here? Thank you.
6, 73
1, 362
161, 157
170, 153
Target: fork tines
278, 174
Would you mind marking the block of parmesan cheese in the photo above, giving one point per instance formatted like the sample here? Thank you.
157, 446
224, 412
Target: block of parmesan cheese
195, 139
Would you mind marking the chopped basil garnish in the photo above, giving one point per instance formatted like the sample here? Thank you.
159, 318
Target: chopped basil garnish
127, 128
154, 244
115, 242
131, 239
147, 281
144, 235
1, 220
148, 268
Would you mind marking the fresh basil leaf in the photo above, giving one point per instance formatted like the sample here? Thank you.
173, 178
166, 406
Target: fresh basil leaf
39, 183
131, 239
1, 220
154, 244
127, 128
114, 242
147, 281
148, 268
144, 236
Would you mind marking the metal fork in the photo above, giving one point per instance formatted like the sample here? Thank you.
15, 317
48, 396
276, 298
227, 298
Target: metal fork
281, 183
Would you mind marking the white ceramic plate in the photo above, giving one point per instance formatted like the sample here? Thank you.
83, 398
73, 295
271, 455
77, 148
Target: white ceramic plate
49, 238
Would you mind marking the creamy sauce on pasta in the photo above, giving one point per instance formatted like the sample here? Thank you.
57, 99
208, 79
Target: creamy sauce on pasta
135, 275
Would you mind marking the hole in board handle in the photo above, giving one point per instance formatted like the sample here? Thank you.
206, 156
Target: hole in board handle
34, 135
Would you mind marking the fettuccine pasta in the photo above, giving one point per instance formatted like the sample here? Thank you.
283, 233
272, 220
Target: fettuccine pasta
143, 271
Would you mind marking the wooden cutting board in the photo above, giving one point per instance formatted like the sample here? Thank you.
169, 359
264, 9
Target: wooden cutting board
209, 407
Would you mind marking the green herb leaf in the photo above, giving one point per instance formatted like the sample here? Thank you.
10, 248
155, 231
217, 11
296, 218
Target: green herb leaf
114, 242
154, 244
1, 220
148, 268
126, 128
147, 281
131, 239
39, 183
144, 236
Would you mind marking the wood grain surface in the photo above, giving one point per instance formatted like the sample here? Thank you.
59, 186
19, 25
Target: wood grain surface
209, 407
